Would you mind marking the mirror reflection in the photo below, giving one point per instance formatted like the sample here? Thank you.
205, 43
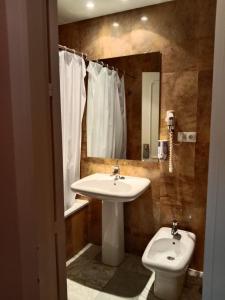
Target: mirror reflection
123, 105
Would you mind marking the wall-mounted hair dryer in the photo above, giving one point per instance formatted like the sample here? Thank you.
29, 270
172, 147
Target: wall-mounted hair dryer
170, 120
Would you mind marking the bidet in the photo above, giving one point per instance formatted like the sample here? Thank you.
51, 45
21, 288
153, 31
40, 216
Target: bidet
169, 258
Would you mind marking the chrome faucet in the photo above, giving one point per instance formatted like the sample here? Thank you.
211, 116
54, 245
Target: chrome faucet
116, 178
115, 169
116, 173
174, 230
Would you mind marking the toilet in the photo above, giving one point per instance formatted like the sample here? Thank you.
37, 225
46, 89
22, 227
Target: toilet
169, 258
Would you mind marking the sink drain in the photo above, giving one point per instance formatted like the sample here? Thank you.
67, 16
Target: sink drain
170, 258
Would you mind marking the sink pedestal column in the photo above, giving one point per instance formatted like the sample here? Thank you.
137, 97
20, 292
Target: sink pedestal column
112, 233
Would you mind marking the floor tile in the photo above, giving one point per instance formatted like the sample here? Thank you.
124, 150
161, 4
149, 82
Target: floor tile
126, 284
77, 291
133, 263
90, 273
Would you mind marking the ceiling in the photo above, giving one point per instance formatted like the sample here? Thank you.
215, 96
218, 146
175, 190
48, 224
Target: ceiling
75, 10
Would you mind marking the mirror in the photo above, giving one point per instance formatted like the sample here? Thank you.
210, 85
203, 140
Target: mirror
130, 128
150, 114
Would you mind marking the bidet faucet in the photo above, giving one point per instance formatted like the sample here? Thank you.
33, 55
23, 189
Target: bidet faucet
174, 230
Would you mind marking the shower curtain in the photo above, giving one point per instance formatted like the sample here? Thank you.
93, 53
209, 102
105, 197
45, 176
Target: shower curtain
121, 87
106, 113
73, 97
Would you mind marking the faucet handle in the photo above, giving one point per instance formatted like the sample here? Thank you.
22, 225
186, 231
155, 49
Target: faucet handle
174, 227
175, 223
174, 230
116, 169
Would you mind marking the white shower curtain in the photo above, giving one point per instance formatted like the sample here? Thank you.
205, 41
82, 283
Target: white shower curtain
106, 113
122, 96
73, 97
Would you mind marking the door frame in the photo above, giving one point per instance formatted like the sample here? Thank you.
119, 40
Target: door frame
34, 244
214, 261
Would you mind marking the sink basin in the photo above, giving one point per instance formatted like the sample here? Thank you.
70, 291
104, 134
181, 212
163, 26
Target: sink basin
101, 186
113, 195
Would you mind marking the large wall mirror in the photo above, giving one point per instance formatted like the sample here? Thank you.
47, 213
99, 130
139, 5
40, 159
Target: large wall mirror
124, 121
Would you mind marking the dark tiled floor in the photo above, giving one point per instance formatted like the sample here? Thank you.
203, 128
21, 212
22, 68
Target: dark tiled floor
89, 279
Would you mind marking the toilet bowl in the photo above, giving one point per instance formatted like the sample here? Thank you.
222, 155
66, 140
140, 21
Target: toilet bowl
169, 259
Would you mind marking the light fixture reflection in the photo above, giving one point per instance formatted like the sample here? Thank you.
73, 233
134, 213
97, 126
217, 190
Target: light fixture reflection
115, 24
144, 18
90, 5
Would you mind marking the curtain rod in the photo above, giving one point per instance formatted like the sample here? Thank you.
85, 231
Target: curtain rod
85, 57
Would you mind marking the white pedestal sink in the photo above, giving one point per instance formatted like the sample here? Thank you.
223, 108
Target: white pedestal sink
113, 194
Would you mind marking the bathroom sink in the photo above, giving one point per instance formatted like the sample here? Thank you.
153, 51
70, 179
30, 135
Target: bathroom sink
113, 194
103, 187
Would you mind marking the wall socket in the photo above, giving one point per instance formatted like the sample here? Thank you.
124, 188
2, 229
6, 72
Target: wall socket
187, 137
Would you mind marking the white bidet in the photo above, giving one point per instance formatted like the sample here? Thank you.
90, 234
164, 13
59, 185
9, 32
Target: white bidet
169, 258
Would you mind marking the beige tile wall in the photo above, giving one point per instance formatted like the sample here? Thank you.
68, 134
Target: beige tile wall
183, 31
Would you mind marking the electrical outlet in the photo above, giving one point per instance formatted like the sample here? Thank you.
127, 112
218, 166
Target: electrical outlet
187, 137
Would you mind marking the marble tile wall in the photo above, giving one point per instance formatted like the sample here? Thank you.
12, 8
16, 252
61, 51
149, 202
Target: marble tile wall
183, 31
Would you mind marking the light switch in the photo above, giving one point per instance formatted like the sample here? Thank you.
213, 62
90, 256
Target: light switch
187, 137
